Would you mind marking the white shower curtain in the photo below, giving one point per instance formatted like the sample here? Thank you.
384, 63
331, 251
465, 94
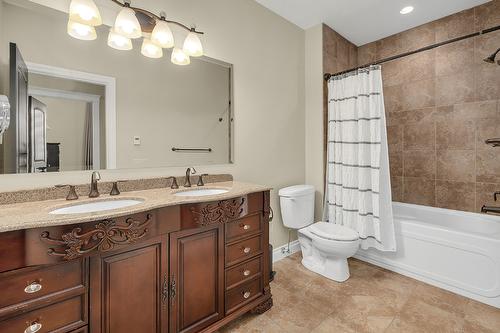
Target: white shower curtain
358, 191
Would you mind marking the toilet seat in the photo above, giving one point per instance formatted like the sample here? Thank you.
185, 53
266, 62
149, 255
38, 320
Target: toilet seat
333, 231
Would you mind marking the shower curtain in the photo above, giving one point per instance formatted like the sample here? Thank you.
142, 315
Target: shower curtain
358, 190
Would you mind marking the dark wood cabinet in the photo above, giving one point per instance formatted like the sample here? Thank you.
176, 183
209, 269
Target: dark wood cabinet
129, 288
187, 268
197, 278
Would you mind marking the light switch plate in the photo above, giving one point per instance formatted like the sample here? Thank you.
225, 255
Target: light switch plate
137, 140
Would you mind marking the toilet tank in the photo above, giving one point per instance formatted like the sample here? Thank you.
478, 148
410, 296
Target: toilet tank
297, 206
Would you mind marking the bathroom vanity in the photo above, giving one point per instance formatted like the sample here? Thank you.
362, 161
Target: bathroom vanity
183, 265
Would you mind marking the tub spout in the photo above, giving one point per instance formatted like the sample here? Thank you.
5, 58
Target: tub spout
489, 209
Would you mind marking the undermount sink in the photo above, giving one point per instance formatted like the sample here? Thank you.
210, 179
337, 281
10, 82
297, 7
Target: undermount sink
97, 206
201, 192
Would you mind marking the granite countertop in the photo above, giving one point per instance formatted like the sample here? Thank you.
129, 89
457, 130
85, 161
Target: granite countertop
36, 214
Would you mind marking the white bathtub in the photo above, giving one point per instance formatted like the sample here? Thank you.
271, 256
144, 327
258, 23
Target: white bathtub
454, 250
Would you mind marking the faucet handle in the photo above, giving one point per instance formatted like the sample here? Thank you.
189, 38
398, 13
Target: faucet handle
115, 190
72, 191
200, 179
174, 185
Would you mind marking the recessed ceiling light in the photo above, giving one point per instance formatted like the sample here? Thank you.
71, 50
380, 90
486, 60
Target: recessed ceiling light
406, 10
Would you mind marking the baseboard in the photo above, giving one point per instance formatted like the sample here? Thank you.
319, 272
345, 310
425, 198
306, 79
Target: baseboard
278, 253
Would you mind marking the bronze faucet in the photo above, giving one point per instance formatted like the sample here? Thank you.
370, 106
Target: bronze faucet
94, 191
72, 192
189, 172
174, 185
200, 180
490, 209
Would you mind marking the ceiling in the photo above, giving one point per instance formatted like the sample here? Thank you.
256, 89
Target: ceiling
364, 21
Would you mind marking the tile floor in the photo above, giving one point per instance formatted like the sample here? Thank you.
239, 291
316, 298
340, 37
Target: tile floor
372, 300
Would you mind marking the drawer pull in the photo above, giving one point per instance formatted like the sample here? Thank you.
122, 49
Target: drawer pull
246, 294
245, 226
246, 272
33, 288
246, 250
33, 328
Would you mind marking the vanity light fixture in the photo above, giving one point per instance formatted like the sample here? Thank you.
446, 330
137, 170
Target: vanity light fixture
81, 31
118, 41
150, 49
131, 23
127, 24
179, 57
192, 45
84, 12
406, 10
162, 35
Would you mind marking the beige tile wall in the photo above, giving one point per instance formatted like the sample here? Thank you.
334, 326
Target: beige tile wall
441, 105
339, 54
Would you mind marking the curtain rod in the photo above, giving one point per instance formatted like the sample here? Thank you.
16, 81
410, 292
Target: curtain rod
327, 76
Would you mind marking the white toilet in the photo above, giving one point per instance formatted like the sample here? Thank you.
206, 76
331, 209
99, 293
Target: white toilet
325, 246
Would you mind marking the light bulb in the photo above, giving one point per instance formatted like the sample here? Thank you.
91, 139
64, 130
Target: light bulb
192, 45
406, 10
118, 41
162, 35
84, 12
179, 57
81, 31
127, 24
150, 49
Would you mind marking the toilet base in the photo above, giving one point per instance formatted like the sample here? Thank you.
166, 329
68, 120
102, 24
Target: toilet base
335, 269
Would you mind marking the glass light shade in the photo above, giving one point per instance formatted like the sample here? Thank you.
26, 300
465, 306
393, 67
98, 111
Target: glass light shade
192, 45
118, 41
150, 49
81, 31
84, 12
162, 35
127, 24
179, 57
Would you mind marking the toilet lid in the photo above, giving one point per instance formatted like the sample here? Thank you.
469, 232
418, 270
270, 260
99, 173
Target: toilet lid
333, 231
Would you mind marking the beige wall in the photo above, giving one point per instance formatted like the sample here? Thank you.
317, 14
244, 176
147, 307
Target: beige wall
48, 82
268, 57
314, 114
164, 104
66, 125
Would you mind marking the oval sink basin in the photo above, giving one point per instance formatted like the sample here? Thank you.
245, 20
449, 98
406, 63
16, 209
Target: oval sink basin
201, 192
98, 206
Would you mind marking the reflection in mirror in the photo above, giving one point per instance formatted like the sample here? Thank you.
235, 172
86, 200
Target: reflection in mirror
81, 105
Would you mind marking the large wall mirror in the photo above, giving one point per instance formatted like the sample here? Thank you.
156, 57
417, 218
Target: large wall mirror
81, 105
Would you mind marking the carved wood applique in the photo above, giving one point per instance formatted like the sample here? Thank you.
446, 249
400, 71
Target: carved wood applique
222, 212
263, 307
104, 237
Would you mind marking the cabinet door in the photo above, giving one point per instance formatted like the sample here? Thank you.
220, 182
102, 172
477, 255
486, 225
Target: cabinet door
129, 289
197, 278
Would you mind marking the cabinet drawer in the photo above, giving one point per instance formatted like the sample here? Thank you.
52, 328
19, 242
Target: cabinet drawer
243, 294
29, 285
63, 317
243, 227
246, 271
242, 250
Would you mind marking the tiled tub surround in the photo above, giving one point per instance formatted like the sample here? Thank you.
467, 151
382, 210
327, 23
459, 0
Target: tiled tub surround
441, 105
52, 193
